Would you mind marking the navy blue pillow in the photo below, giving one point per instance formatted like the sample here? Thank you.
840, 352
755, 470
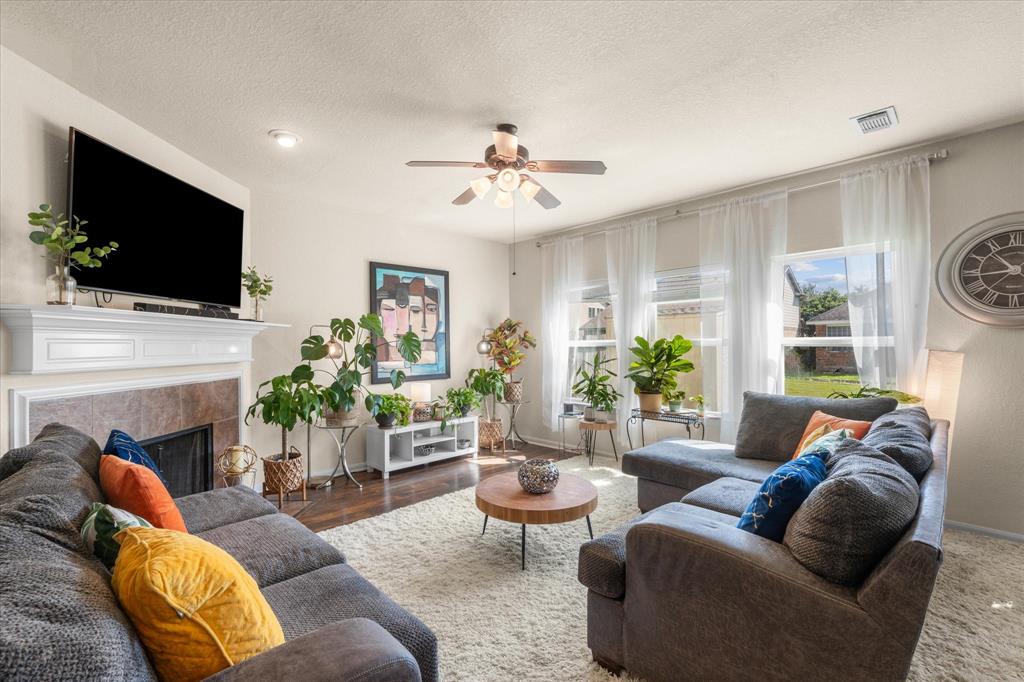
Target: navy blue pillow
781, 495
120, 444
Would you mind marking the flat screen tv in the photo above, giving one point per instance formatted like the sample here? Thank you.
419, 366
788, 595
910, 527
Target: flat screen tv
175, 241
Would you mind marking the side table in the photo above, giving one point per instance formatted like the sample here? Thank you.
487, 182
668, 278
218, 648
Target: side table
561, 428
590, 431
346, 429
513, 435
688, 418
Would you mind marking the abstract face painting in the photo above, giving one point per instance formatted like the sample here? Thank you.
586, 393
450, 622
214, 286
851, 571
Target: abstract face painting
410, 299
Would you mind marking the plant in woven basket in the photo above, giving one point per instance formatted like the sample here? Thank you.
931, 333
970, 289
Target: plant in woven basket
488, 383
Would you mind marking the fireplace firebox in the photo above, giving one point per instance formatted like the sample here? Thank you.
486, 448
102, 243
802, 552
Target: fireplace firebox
185, 458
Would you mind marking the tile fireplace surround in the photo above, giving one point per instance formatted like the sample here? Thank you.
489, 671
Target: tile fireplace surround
143, 411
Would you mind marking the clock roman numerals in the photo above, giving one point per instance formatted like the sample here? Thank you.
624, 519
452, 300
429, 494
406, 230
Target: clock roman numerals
981, 272
975, 286
1016, 239
990, 297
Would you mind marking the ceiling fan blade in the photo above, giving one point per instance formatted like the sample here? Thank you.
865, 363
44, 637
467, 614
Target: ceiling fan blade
506, 144
446, 164
585, 167
464, 198
546, 199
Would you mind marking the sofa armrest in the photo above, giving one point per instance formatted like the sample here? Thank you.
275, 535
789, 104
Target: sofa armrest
716, 601
354, 649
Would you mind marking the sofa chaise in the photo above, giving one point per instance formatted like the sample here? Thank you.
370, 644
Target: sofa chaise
62, 620
682, 593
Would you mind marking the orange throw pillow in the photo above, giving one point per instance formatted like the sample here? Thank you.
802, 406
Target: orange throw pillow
822, 424
136, 489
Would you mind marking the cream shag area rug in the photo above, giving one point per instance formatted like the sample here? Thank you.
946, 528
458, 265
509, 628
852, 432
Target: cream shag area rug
496, 622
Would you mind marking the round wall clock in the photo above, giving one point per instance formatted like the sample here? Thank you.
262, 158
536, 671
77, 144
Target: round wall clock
981, 273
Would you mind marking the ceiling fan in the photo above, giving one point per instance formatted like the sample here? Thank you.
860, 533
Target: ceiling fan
509, 158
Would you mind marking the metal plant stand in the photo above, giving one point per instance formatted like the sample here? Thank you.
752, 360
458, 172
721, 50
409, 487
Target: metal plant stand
688, 418
513, 435
346, 433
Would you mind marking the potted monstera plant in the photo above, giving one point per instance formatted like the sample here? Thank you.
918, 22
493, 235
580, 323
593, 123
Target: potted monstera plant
351, 349
509, 343
655, 367
289, 399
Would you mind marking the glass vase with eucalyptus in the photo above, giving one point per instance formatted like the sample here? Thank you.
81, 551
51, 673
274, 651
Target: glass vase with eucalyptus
64, 242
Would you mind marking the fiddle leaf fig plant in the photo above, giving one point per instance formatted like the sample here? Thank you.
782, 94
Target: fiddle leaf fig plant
65, 240
656, 365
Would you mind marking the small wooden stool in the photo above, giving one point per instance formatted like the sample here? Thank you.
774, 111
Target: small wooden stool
590, 430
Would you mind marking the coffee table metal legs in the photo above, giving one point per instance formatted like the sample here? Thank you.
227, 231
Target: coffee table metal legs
485, 524
590, 529
524, 547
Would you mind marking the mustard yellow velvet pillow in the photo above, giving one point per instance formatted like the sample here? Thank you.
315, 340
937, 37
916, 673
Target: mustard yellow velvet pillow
195, 608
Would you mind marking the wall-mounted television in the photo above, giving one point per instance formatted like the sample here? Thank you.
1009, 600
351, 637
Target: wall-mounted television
175, 241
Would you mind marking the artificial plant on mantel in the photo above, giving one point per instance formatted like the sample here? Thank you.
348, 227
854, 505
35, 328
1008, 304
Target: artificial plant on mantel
65, 244
288, 399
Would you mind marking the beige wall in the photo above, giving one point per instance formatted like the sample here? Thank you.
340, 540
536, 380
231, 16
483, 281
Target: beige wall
320, 257
36, 110
983, 177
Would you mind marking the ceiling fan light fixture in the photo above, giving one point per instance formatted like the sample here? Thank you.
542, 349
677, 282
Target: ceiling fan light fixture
481, 186
504, 199
508, 180
528, 187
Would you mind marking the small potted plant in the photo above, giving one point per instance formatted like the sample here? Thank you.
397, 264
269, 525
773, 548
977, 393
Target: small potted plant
698, 400
674, 399
259, 288
64, 242
593, 385
655, 367
391, 408
457, 403
508, 350
489, 384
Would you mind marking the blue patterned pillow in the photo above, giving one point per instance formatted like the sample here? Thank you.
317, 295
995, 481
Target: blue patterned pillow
781, 495
120, 444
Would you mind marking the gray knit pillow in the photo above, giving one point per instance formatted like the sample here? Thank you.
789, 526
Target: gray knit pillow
853, 517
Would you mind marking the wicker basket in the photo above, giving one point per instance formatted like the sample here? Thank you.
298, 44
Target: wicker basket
491, 436
514, 391
284, 475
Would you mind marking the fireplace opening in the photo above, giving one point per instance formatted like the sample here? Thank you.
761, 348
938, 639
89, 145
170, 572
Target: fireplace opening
185, 458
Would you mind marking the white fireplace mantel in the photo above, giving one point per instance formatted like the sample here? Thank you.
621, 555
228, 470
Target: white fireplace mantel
50, 339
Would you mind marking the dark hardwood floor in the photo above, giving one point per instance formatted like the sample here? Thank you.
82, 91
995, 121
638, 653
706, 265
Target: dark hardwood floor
344, 503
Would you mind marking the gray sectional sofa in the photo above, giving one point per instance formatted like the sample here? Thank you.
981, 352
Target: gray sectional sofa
681, 593
61, 620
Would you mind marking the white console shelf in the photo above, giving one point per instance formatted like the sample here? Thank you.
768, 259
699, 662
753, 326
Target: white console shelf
52, 339
398, 448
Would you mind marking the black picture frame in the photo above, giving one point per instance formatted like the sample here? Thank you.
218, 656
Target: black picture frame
435, 336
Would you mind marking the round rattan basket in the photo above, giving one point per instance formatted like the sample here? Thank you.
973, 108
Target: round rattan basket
283, 475
490, 435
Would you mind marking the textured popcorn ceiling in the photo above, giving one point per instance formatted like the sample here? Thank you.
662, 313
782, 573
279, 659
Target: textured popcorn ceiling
678, 99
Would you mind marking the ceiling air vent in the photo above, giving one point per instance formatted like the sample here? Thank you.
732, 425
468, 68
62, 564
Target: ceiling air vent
875, 120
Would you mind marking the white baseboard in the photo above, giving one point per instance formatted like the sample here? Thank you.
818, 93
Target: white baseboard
556, 445
982, 530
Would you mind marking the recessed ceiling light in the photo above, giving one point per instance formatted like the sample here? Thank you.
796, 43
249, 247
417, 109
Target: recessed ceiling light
285, 138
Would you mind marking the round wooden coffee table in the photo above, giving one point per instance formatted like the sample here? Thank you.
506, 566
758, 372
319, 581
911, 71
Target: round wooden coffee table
502, 497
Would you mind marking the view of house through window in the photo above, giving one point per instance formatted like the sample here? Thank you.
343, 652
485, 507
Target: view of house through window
818, 344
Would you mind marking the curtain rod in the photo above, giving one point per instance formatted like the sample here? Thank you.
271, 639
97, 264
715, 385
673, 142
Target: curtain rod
600, 225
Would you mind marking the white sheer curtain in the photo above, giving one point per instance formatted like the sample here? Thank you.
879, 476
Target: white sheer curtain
630, 251
886, 208
561, 277
740, 245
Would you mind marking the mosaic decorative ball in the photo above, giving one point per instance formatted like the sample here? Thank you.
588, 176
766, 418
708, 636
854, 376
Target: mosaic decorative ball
538, 476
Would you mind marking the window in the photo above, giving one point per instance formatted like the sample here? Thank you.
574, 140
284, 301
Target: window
679, 311
816, 293
682, 310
